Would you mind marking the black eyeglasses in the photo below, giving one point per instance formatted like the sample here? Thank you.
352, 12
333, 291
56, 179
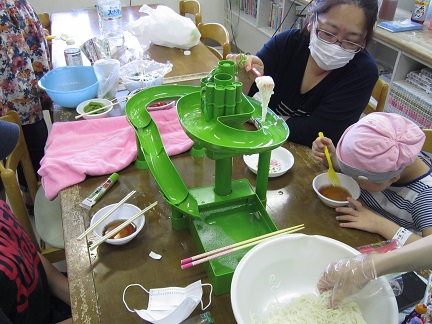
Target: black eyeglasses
329, 38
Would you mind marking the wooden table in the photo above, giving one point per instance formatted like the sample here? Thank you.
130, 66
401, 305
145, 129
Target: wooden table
97, 279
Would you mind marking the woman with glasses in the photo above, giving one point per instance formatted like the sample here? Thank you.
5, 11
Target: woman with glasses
323, 75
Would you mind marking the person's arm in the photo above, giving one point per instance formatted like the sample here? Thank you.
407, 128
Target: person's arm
318, 151
58, 283
347, 276
244, 63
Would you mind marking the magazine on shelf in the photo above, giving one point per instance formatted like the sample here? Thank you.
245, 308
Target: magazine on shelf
400, 25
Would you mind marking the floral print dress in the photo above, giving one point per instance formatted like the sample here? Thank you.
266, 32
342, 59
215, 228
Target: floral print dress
24, 59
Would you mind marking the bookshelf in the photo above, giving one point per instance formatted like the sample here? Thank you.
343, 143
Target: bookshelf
256, 20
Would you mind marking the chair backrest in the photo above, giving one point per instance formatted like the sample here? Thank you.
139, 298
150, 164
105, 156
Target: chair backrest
192, 7
20, 155
427, 146
219, 34
45, 21
379, 93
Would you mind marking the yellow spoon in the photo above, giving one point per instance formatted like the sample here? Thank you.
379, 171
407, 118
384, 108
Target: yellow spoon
331, 172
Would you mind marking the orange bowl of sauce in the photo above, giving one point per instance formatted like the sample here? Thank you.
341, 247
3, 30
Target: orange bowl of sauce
335, 196
120, 215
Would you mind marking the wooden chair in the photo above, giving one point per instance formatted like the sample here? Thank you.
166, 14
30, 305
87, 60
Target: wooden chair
379, 93
45, 21
192, 7
427, 146
218, 33
46, 212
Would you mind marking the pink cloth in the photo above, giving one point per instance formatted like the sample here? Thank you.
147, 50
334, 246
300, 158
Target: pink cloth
88, 147
100, 146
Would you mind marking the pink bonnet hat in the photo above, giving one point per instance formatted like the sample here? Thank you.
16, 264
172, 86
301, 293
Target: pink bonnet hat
379, 146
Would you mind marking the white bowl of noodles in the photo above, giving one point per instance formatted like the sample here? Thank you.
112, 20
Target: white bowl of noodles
278, 270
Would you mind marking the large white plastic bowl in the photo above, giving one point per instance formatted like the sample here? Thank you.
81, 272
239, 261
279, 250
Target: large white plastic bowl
289, 266
347, 182
124, 212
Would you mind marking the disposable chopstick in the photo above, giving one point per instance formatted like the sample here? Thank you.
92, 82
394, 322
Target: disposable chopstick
112, 210
120, 227
99, 109
207, 256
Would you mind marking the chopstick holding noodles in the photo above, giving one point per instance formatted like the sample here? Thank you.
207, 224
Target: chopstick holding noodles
207, 256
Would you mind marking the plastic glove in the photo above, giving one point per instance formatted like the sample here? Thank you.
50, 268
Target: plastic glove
347, 276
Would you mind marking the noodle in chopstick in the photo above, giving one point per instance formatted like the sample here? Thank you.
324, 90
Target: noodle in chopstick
310, 308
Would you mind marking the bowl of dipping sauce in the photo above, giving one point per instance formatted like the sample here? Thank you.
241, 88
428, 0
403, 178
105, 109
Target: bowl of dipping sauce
335, 196
91, 105
120, 215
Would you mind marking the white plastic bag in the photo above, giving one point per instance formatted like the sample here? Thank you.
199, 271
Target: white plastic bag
107, 72
163, 26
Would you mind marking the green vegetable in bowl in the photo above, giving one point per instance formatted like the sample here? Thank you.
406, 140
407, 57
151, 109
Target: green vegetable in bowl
93, 106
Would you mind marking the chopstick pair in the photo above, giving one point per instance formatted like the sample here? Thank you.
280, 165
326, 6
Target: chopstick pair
207, 256
112, 210
100, 108
120, 227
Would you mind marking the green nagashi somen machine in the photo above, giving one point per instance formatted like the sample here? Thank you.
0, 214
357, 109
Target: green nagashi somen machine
213, 116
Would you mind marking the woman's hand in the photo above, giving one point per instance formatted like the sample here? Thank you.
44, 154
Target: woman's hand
347, 276
244, 63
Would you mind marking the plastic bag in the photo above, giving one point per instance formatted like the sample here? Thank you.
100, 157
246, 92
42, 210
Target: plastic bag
142, 74
107, 72
163, 26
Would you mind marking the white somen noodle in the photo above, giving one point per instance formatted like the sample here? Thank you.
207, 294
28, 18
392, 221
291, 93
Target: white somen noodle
265, 86
310, 308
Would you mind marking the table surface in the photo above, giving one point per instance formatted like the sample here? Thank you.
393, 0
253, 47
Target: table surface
97, 279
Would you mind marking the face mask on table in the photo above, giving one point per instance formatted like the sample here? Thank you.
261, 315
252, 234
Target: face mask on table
171, 305
327, 56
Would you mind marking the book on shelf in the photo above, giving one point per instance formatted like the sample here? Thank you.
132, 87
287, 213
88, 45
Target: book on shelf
401, 25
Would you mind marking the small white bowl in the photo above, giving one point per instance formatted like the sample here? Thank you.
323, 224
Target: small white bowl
105, 102
280, 162
347, 182
124, 212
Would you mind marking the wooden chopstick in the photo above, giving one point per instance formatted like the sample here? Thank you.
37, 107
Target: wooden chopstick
207, 256
120, 227
99, 109
112, 210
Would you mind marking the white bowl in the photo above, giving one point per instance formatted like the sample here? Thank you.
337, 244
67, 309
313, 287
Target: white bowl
288, 266
280, 162
347, 182
102, 114
124, 212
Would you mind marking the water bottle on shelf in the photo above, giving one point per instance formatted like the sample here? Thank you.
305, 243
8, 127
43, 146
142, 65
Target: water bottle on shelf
110, 21
419, 11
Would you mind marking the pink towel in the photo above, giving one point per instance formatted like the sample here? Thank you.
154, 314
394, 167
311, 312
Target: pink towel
88, 147
100, 146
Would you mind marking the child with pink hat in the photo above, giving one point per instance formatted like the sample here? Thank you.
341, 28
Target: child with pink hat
382, 152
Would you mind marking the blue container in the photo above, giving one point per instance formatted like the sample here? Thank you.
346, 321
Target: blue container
68, 86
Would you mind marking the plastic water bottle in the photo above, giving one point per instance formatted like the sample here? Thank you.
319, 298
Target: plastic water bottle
110, 21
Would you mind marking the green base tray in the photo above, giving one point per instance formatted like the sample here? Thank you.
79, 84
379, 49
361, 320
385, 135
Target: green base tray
226, 220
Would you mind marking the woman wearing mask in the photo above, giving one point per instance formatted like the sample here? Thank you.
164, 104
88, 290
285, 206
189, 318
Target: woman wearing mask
323, 75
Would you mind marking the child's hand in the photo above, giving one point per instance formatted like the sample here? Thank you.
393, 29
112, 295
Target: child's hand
318, 151
359, 217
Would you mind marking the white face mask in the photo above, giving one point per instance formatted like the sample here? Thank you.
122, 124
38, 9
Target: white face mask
327, 56
171, 305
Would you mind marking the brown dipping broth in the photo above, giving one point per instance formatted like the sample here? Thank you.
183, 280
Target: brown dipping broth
334, 193
128, 230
